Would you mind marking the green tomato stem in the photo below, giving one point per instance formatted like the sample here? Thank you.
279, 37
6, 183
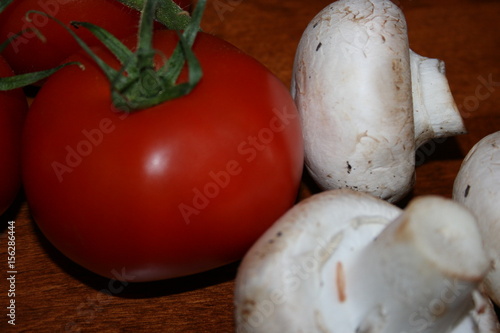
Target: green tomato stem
4, 4
167, 12
23, 80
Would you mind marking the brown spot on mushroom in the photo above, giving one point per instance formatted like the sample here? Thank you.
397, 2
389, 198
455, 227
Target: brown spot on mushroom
398, 70
481, 309
348, 10
359, 15
466, 193
340, 281
319, 46
247, 309
349, 167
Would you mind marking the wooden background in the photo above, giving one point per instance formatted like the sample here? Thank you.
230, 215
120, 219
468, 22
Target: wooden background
55, 295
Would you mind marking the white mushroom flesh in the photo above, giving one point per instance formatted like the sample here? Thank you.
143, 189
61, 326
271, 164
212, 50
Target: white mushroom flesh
344, 261
477, 186
352, 83
420, 272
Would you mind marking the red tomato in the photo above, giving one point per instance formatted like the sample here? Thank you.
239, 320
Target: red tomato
13, 107
168, 191
28, 53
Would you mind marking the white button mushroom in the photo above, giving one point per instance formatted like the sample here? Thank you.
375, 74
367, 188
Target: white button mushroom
366, 101
345, 261
477, 186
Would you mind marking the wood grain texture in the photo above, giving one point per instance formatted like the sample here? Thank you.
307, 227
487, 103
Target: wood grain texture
55, 295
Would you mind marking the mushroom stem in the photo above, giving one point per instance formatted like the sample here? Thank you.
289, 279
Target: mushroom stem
418, 275
434, 110
344, 261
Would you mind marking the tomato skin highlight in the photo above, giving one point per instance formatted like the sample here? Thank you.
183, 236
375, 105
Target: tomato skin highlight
28, 53
13, 108
176, 189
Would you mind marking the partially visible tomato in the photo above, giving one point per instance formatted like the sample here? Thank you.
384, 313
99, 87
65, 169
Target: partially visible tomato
168, 191
28, 53
13, 108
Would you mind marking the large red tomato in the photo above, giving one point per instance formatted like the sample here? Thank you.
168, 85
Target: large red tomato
172, 190
28, 53
13, 107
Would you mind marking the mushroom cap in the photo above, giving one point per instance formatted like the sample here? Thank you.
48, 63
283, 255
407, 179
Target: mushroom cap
352, 86
477, 186
284, 282
339, 261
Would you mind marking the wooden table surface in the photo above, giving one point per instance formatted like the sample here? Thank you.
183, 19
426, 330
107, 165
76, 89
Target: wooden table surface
54, 295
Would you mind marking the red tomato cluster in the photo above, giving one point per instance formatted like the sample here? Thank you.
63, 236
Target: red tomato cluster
175, 189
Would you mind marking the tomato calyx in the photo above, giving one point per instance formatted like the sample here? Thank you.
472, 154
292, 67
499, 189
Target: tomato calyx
137, 84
